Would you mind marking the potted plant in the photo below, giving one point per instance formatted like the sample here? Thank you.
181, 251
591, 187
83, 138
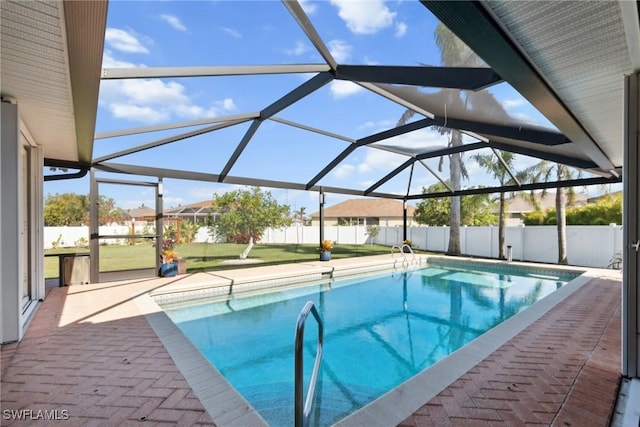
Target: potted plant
406, 246
325, 250
169, 265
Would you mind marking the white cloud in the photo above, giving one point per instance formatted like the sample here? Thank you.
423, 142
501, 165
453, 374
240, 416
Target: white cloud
137, 113
308, 7
419, 140
233, 33
108, 61
380, 125
527, 119
343, 88
123, 41
154, 100
174, 21
364, 168
226, 104
364, 17
512, 103
340, 50
343, 171
380, 160
154, 91
298, 50
401, 29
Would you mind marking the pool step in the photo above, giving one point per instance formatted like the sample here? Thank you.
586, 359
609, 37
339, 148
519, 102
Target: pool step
274, 402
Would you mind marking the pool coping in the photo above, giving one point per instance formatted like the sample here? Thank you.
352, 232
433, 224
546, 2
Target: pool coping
220, 399
228, 407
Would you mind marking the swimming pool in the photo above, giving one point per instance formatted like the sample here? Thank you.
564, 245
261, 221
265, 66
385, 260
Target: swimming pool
379, 331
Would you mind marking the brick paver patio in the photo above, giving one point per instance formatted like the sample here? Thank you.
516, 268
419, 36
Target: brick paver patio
90, 352
563, 370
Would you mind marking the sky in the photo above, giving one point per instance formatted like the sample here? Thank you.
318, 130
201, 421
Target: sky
225, 33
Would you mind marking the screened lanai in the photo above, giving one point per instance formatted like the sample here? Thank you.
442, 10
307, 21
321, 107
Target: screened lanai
329, 119
287, 95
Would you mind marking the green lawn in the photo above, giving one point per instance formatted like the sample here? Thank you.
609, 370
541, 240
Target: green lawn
209, 256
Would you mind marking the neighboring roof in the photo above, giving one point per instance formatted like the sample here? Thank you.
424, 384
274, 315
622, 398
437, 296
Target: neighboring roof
142, 211
522, 203
203, 207
358, 208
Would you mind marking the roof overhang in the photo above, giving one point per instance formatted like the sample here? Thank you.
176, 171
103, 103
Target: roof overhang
51, 63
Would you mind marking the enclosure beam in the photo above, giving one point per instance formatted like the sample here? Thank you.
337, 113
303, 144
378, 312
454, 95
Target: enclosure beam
466, 78
237, 70
168, 140
524, 187
185, 124
471, 22
303, 20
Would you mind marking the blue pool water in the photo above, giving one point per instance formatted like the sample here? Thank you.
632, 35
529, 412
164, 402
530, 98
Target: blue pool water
379, 331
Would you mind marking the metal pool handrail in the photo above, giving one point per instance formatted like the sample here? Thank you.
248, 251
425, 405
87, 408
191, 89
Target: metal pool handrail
302, 413
405, 260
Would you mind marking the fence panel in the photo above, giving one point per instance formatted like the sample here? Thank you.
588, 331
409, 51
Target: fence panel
589, 246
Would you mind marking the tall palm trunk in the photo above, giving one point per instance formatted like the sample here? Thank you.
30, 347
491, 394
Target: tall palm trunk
561, 216
501, 253
561, 221
455, 174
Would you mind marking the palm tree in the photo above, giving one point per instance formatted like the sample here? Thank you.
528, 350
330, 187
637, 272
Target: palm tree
299, 216
487, 162
453, 53
492, 165
543, 171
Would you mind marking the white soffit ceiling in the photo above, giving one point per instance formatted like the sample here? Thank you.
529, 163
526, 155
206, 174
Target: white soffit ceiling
47, 66
580, 49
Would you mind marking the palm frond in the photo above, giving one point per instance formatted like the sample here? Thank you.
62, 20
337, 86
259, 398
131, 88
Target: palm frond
405, 117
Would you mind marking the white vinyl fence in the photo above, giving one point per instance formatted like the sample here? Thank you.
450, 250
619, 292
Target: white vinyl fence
589, 246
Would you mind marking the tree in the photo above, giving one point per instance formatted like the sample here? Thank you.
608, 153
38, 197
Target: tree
68, 209
372, 231
300, 216
188, 231
71, 209
455, 53
543, 171
475, 209
492, 164
606, 210
245, 214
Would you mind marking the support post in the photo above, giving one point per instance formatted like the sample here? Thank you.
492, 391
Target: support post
94, 242
404, 220
321, 201
159, 225
631, 222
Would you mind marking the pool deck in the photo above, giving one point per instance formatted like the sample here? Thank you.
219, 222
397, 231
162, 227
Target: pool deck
98, 355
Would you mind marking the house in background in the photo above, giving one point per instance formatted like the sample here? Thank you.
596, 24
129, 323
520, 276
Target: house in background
520, 205
197, 212
365, 212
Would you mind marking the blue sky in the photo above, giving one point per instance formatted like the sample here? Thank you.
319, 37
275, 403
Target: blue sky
215, 33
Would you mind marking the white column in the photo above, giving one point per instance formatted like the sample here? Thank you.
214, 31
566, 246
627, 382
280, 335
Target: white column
631, 235
37, 220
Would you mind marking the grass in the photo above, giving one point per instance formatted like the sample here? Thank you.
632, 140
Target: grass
209, 256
